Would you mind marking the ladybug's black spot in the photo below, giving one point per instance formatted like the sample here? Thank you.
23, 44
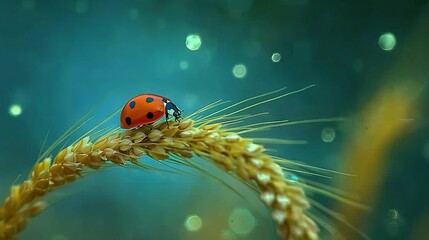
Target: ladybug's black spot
128, 120
149, 115
132, 104
164, 100
149, 99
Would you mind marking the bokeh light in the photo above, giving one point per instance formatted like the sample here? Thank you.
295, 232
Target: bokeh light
291, 177
193, 223
227, 234
393, 214
15, 110
193, 42
190, 100
183, 65
328, 135
387, 41
276, 57
241, 221
239, 70
393, 223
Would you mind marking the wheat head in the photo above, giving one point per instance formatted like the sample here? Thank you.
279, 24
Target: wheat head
226, 149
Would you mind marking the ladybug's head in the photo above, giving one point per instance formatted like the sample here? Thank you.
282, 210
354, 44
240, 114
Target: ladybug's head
173, 110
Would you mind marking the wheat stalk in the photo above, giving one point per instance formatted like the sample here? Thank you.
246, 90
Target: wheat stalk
212, 141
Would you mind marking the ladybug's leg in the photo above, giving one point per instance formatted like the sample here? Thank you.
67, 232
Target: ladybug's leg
177, 115
177, 118
166, 119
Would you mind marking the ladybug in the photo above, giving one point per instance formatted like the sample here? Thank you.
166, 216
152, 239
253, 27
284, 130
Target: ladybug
146, 109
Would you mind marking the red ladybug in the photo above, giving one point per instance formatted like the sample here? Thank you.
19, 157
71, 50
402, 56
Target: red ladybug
146, 109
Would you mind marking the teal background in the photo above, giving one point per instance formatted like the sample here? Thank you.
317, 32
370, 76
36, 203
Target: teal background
60, 59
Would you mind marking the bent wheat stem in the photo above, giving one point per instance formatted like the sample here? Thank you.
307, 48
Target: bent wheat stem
226, 149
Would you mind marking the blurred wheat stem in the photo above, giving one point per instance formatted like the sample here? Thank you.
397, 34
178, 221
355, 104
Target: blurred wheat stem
212, 141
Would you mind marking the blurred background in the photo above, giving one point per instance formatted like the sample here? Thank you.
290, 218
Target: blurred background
369, 61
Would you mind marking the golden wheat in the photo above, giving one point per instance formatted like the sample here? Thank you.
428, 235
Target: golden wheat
212, 141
